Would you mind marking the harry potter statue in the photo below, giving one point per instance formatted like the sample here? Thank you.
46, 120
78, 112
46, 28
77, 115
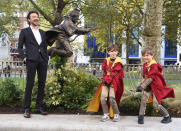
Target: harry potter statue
63, 32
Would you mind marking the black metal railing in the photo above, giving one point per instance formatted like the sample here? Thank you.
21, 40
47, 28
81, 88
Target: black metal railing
133, 72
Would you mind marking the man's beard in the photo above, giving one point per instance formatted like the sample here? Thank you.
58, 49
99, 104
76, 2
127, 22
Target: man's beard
33, 23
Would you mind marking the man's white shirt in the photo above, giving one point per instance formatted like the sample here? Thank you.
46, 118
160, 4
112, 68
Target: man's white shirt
37, 35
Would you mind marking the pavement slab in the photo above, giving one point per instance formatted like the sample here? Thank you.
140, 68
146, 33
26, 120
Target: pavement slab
52, 122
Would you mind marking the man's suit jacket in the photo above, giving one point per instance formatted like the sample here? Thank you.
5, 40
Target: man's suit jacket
32, 48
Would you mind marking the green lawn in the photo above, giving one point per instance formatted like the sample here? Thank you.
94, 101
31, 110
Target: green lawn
167, 75
128, 83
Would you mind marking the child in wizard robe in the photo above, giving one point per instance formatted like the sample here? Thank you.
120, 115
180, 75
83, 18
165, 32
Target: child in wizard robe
154, 87
109, 92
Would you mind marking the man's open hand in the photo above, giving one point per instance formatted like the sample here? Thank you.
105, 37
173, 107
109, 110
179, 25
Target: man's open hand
95, 27
133, 89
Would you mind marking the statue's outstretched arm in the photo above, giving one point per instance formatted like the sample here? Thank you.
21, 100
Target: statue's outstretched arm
82, 31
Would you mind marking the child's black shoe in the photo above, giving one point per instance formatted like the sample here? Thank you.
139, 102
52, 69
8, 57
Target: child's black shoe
166, 120
141, 119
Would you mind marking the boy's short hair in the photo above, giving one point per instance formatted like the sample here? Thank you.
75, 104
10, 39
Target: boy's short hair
112, 47
148, 50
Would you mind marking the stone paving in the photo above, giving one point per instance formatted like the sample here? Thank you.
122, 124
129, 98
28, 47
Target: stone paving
16, 122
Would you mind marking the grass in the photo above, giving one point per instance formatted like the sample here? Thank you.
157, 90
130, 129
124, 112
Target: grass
167, 75
128, 83
133, 83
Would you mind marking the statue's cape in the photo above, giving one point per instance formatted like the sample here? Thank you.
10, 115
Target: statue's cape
52, 33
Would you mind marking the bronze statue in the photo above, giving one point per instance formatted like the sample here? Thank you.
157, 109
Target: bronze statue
63, 32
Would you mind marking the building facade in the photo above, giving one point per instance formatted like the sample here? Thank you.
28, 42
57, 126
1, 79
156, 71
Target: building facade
8, 46
170, 52
14, 41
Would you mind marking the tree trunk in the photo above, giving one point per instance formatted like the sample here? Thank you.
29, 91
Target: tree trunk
152, 25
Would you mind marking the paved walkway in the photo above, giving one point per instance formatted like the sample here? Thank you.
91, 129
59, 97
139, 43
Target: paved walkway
16, 122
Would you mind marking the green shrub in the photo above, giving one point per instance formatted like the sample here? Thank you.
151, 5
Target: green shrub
174, 104
131, 104
70, 89
9, 92
34, 95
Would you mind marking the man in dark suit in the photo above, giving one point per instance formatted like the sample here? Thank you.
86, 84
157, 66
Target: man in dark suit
36, 58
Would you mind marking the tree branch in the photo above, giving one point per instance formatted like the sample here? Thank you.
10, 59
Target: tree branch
136, 38
75, 2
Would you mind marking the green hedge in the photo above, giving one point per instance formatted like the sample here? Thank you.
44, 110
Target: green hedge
10, 93
69, 90
130, 104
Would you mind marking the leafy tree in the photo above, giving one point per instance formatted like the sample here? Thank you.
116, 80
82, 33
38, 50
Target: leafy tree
116, 18
8, 17
51, 11
130, 18
121, 16
172, 20
54, 10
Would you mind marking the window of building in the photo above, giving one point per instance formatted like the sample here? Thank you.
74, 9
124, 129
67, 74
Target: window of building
133, 50
170, 49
